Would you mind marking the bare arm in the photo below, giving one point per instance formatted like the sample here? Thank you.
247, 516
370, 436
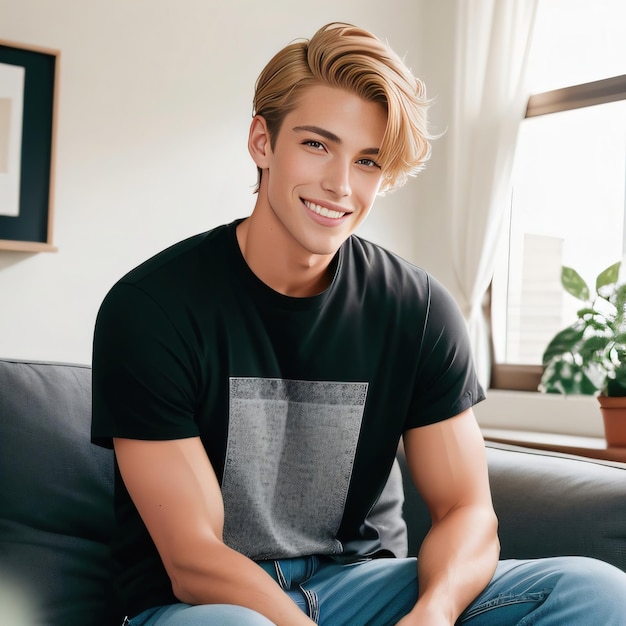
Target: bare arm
176, 492
458, 556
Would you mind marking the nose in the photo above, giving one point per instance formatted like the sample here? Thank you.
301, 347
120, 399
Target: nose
337, 179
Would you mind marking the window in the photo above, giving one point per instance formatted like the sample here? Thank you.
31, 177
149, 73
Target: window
568, 202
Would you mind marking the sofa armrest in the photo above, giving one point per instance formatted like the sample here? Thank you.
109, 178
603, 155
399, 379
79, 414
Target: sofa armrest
55, 512
547, 503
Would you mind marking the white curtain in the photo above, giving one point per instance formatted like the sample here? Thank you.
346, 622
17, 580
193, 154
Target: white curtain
489, 98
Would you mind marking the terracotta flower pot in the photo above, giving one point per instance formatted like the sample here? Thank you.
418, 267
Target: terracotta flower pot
613, 411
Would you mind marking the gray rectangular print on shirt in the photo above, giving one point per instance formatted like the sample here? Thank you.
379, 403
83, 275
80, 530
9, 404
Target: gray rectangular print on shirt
289, 461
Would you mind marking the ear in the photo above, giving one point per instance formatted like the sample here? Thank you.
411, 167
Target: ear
259, 142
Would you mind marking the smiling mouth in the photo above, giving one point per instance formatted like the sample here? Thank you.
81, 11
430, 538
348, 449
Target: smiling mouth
323, 211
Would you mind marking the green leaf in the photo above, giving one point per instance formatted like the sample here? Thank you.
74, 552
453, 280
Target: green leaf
600, 323
586, 311
564, 341
566, 377
620, 293
608, 276
620, 338
574, 284
616, 387
619, 300
595, 343
620, 374
594, 377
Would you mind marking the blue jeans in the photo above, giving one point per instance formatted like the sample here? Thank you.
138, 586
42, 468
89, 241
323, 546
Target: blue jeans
571, 591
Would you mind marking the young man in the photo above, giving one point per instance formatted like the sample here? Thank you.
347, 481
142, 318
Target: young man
255, 382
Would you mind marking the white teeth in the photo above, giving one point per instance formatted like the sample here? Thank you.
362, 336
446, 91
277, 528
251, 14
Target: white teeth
320, 210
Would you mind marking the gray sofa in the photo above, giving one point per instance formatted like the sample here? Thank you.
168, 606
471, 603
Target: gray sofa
56, 495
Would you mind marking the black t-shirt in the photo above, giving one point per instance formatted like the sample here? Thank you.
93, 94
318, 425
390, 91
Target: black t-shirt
299, 402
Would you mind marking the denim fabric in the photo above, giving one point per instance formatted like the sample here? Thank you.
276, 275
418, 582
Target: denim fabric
559, 591
201, 615
373, 592
572, 591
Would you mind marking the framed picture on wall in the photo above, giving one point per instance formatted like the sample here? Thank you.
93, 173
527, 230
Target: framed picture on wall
28, 97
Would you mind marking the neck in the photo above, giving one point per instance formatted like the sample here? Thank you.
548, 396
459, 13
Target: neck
284, 268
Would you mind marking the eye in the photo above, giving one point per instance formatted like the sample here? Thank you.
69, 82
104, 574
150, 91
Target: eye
368, 163
313, 143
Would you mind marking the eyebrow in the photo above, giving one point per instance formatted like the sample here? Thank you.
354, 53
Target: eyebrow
322, 132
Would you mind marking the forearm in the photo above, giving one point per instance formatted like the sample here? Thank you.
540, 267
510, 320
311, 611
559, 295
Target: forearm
223, 576
456, 562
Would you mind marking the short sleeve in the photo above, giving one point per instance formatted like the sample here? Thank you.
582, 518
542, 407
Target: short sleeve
446, 383
143, 381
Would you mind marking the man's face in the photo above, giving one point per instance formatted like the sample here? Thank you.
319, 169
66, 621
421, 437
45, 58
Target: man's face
322, 176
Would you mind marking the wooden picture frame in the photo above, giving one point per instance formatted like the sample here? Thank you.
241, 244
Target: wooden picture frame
28, 109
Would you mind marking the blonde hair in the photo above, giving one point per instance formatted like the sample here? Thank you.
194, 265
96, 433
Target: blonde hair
344, 56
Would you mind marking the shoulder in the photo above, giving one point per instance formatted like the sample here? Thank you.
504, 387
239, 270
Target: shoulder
184, 253
167, 291
378, 260
178, 269
404, 292
381, 268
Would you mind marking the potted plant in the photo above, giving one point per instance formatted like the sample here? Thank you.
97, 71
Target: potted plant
589, 356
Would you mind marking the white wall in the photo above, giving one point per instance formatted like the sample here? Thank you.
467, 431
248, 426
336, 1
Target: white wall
154, 107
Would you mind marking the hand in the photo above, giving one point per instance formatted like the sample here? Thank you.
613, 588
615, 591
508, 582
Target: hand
425, 616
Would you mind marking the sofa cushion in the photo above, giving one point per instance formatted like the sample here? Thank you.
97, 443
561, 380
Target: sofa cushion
55, 510
553, 504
